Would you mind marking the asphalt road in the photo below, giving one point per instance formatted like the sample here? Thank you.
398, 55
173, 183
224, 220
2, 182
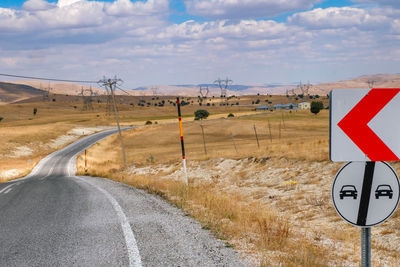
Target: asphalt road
54, 218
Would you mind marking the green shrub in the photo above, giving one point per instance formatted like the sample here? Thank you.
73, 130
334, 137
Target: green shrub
316, 106
201, 114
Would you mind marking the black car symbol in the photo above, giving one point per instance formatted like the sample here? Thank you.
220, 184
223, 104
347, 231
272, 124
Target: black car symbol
383, 190
348, 191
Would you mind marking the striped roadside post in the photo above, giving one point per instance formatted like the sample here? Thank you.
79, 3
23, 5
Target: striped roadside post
178, 103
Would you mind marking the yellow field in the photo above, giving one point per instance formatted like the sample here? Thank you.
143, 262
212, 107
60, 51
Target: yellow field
271, 202
26, 138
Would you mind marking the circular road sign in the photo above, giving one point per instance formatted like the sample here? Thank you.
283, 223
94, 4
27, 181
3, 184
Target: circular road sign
366, 193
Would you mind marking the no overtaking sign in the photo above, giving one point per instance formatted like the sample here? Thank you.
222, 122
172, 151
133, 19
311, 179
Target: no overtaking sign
366, 194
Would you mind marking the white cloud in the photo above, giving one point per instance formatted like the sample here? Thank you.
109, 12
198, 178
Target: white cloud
87, 39
39, 15
236, 9
126, 7
34, 5
64, 3
339, 17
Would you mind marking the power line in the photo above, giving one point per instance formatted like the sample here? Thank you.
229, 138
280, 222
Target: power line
45, 79
123, 90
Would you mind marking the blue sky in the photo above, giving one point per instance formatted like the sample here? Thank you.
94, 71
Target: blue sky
195, 41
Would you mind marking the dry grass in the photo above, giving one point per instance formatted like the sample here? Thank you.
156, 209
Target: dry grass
25, 137
247, 221
271, 203
304, 137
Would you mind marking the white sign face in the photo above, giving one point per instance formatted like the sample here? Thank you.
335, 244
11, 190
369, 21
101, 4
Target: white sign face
358, 206
363, 124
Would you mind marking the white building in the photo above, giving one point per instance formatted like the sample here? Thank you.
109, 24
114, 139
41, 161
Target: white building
304, 105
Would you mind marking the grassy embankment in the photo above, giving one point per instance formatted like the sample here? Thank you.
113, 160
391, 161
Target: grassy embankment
271, 202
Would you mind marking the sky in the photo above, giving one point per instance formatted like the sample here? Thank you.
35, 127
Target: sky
167, 42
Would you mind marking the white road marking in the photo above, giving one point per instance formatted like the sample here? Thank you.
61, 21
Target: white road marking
131, 245
49, 173
8, 190
5, 188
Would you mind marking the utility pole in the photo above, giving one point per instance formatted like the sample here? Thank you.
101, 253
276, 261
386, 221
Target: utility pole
112, 83
223, 85
255, 133
204, 140
204, 91
233, 141
270, 133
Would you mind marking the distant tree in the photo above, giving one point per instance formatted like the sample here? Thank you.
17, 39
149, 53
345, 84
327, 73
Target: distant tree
201, 114
258, 101
1, 118
148, 123
230, 115
34, 111
316, 106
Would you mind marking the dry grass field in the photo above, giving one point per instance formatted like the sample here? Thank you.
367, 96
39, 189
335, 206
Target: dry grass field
26, 138
271, 202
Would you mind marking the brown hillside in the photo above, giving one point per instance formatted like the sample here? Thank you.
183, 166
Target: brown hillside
10, 92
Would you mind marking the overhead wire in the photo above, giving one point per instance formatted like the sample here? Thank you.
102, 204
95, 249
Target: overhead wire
46, 79
123, 90
58, 80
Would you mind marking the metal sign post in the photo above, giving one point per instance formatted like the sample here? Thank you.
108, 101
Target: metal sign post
366, 247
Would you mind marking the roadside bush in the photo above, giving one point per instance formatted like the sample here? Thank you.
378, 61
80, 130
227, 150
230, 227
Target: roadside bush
230, 115
1, 118
34, 111
201, 114
148, 123
316, 106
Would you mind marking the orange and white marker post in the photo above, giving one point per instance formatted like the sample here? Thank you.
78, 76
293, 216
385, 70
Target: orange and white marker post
178, 103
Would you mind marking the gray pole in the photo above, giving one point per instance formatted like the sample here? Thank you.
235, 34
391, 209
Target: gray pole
280, 130
270, 133
366, 247
234, 144
255, 132
204, 140
111, 83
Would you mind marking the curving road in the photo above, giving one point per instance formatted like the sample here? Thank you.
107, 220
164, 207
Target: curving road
54, 218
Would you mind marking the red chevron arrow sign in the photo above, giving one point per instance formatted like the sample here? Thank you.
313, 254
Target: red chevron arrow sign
364, 124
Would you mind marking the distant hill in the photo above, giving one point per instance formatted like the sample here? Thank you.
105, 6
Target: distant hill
62, 88
10, 92
378, 80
